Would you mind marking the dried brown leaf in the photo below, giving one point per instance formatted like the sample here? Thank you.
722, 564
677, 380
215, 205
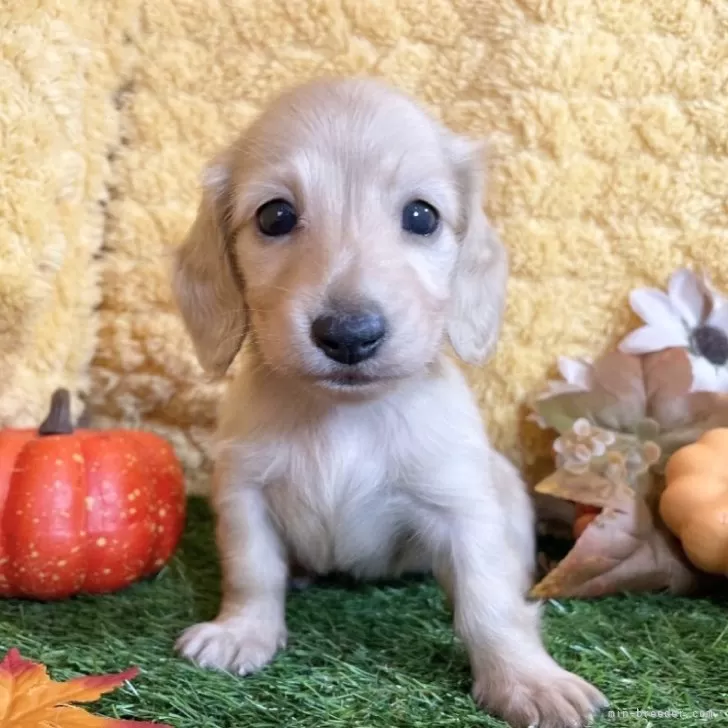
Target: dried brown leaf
622, 550
560, 411
620, 375
588, 489
628, 389
668, 380
667, 374
617, 400
706, 411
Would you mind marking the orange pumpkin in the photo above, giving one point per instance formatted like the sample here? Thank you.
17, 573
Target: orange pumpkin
85, 511
694, 503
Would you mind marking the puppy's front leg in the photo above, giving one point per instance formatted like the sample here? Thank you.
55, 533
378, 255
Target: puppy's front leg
250, 626
486, 576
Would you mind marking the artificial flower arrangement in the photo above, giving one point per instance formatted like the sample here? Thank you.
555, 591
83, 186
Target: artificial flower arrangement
627, 428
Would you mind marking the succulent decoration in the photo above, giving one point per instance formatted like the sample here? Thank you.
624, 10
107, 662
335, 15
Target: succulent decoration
617, 422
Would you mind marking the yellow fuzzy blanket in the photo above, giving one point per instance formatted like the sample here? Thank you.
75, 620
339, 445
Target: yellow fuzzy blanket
609, 134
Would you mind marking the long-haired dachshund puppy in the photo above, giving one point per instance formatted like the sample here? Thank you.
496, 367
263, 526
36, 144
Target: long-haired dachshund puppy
343, 237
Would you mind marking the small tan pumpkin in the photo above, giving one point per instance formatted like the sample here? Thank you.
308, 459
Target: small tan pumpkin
694, 504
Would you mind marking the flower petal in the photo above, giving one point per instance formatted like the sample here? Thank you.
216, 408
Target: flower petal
576, 372
582, 427
655, 308
606, 437
705, 375
598, 448
687, 296
576, 467
647, 339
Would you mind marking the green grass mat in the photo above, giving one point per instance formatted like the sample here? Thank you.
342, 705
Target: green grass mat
364, 656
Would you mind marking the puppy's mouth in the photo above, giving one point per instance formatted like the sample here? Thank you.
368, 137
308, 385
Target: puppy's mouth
350, 380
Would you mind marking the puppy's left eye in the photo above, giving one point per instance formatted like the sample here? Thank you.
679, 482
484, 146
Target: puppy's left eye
420, 218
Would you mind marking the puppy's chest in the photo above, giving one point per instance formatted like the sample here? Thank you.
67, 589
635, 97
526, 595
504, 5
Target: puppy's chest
335, 499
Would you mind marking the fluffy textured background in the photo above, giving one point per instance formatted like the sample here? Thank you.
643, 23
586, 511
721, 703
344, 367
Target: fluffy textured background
607, 121
59, 73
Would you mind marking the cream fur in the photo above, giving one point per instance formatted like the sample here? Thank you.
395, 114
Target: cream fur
376, 478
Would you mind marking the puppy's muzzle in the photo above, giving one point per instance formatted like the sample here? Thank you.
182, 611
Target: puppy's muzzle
350, 337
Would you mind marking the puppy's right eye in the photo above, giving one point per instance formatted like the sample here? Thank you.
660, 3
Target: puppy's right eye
276, 218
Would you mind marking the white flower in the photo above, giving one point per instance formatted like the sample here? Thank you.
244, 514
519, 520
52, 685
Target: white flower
692, 315
578, 376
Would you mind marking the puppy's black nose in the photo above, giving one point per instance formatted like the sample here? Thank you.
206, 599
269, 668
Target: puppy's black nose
349, 337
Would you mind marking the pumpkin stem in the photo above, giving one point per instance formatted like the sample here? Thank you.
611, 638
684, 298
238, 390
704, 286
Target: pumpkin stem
58, 421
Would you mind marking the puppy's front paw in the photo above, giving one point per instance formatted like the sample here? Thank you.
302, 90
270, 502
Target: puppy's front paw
237, 645
546, 696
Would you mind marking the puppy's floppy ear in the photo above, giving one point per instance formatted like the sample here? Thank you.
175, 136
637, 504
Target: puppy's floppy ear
481, 271
206, 285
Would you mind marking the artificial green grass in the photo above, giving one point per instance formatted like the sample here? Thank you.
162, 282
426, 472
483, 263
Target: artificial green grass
363, 656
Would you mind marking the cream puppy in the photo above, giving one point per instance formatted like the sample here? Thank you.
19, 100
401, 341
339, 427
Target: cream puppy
343, 235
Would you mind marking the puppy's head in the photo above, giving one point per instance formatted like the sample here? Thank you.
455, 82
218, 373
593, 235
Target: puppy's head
344, 233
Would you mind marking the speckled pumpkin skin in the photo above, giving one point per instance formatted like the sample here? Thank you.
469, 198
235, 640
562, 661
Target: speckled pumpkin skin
88, 512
